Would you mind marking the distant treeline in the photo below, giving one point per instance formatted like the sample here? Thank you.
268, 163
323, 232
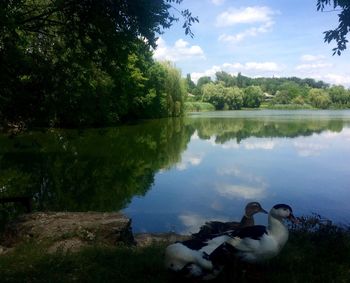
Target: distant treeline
234, 92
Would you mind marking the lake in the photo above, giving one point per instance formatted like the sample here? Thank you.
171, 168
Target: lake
175, 174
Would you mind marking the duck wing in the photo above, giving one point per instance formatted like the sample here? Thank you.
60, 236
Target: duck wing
214, 228
253, 232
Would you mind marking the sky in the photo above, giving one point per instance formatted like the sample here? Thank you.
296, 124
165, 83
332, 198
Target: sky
265, 38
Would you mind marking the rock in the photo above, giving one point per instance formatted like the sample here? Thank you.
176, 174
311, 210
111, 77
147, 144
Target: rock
70, 229
68, 245
147, 239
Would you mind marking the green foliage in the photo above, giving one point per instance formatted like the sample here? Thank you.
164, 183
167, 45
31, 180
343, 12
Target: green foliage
292, 92
319, 98
339, 33
222, 97
81, 63
282, 97
226, 78
214, 94
166, 92
253, 97
339, 95
96, 170
202, 81
197, 106
190, 85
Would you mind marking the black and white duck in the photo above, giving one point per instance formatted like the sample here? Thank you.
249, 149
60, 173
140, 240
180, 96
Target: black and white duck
216, 227
204, 259
258, 243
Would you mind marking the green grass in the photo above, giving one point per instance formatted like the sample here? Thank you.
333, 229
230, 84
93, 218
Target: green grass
314, 253
29, 263
286, 106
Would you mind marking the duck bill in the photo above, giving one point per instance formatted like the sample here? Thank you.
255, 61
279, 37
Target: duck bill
263, 211
293, 219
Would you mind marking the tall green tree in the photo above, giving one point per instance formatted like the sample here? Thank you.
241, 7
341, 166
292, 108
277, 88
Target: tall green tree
71, 63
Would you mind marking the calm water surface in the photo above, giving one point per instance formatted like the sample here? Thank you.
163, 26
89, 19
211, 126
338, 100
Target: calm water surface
175, 174
295, 157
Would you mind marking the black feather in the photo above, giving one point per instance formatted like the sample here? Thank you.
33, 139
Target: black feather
254, 232
282, 205
194, 244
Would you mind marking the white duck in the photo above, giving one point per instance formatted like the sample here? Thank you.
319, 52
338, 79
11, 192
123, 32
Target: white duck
258, 243
196, 258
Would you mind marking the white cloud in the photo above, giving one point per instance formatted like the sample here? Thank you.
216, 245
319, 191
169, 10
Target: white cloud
247, 15
307, 149
337, 79
262, 66
267, 145
317, 67
217, 2
210, 73
253, 68
181, 50
251, 32
193, 222
313, 66
189, 159
241, 191
310, 58
243, 176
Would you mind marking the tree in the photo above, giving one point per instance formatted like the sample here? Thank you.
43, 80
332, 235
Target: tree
234, 98
214, 94
282, 97
226, 78
339, 33
319, 98
78, 63
253, 96
202, 81
339, 95
189, 83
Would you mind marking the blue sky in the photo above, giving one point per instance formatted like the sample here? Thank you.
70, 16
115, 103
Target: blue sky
257, 38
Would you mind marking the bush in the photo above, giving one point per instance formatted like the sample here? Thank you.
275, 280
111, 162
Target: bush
198, 106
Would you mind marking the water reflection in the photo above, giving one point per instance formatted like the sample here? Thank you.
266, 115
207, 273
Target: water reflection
97, 169
301, 160
174, 174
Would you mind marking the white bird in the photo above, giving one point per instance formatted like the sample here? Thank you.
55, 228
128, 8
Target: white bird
196, 258
258, 243
216, 227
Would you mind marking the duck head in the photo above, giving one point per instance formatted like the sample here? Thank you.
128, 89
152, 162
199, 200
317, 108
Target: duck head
253, 208
283, 211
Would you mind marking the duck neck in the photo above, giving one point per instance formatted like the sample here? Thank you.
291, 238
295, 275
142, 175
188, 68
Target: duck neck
246, 221
277, 229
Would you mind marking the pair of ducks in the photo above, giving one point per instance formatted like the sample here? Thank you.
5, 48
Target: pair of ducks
205, 255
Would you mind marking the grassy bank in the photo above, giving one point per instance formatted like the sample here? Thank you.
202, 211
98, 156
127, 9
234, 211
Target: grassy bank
286, 106
312, 254
197, 106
